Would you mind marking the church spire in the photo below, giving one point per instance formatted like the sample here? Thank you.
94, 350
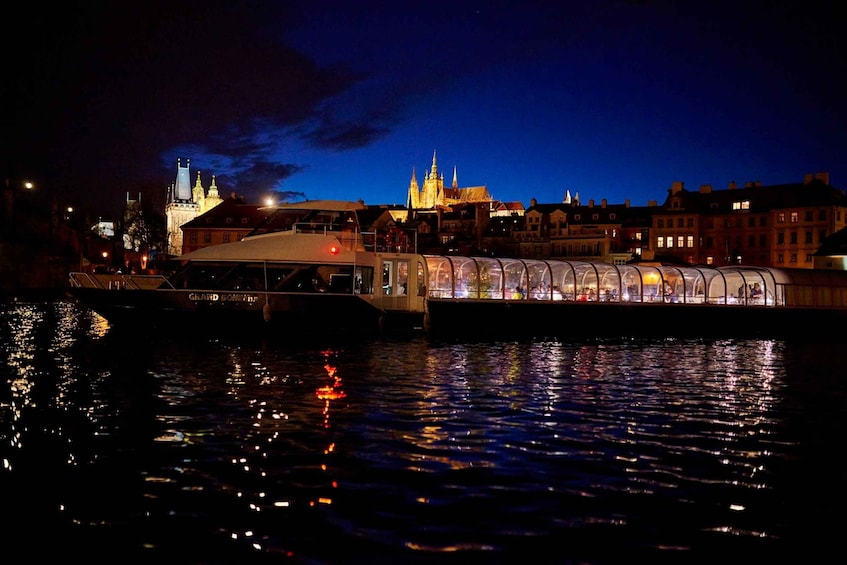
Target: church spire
414, 183
434, 173
213, 190
198, 193
414, 191
455, 178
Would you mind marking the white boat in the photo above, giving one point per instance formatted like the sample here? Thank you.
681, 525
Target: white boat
314, 270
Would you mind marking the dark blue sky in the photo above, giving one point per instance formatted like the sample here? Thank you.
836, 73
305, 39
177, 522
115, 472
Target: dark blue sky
342, 100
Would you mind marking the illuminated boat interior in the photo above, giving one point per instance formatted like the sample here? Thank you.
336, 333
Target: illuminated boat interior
486, 278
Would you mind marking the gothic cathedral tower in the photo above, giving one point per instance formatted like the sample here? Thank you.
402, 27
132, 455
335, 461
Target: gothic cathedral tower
186, 203
432, 194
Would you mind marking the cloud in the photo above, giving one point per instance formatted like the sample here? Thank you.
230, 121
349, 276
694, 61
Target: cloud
110, 93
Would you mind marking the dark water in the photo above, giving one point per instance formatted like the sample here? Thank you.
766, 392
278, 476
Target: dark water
196, 450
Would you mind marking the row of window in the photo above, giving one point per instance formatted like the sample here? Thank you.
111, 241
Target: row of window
793, 217
207, 237
680, 241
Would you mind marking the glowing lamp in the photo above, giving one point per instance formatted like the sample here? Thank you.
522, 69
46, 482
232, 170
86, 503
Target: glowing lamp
334, 249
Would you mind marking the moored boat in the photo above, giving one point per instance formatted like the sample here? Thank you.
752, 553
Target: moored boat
313, 270
484, 296
316, 270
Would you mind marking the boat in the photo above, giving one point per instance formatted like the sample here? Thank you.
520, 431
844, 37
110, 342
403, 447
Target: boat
311, 268
496, 297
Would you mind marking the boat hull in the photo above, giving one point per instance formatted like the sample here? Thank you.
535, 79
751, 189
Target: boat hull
229, 312
467, 318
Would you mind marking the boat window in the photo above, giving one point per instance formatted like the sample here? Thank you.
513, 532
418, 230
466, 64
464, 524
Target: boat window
311, 278
402, 283
421, 279
490, 277
386, 277
363, 280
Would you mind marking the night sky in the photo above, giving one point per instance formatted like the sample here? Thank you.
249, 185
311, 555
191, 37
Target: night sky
342, 100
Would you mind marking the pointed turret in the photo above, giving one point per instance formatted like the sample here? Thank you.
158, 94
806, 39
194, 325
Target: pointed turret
212, 199
455, 178
567, 199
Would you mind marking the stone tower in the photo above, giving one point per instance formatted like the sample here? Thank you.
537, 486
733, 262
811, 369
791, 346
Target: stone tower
181, 207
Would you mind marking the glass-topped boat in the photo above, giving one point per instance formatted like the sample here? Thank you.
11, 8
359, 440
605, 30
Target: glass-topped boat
310, 268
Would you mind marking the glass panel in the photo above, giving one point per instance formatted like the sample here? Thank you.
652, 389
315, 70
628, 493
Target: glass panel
491, 278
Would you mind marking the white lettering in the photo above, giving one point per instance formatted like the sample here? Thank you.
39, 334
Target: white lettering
222, 297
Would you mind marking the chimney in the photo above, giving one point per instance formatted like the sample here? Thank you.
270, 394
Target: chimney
603, 203
677, 186
626, 202
823, 177
591, 203
705, 189
733, 185
533, 202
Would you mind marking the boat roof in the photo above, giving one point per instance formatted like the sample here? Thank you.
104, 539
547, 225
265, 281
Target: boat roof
274, 246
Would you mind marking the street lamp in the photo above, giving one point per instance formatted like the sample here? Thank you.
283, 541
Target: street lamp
10, 204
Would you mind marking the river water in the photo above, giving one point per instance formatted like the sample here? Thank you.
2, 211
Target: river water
197, 449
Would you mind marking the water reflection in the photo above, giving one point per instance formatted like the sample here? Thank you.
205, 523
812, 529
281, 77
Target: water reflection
215, 450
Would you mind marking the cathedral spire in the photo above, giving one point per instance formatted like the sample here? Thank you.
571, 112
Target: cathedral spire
455, 178
414, 183
213, 190
434, 173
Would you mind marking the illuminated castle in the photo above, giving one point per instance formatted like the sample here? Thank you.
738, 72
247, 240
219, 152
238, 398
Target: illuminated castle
186, 203
434, 194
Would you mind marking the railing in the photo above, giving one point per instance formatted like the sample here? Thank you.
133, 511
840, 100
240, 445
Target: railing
116, 281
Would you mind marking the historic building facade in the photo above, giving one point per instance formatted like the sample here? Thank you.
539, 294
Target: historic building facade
185, 203
776, 226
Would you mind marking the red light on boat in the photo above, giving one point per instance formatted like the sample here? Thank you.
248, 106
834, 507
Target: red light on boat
334, 249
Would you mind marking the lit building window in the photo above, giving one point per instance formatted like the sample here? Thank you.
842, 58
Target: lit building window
690, 241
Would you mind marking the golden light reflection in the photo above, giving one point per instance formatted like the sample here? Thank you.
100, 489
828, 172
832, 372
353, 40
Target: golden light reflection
328, 394
331, 391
